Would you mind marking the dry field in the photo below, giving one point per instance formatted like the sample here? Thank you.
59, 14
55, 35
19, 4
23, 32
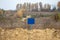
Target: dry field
34, 34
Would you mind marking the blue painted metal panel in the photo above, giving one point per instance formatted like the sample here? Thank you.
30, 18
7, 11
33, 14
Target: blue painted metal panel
30, 21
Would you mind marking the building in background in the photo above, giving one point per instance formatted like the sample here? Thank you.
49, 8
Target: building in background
32, 7
58, 5
40, 6
47, 7
36, 6
28, 6
18, 6
24, 5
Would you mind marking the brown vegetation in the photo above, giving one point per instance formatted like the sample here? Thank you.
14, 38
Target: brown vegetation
34, 34
58, 4
20, 12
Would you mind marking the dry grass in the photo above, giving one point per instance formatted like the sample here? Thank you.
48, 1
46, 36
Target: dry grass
34, 34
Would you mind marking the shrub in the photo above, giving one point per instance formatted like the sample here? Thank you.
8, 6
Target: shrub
57, 17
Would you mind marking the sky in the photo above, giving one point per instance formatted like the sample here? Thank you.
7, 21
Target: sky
11, 4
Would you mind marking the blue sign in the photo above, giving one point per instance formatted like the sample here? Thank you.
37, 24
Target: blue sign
31, 21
